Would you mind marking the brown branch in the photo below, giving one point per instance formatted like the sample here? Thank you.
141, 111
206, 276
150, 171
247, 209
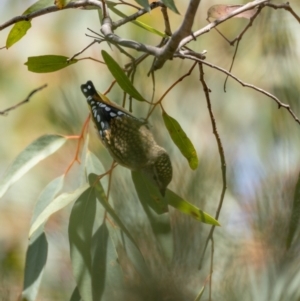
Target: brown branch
5, 112
221, 153
279, 103
285, 6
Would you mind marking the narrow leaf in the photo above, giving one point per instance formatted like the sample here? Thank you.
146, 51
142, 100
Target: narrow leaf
48, 63
20, 29
29, 157
171, 5
76, 295
181, 140
148, 193
36, 258
185, 207
37, 6
143, 3
57, 204
295, 218
198, 298
101, 197
80, 237
121, 77
137, 23
221, 10
17, 32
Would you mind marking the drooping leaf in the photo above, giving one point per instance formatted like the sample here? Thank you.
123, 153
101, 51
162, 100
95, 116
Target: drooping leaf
29, 157
20, 29
143, 3
185, 207
46, 197
106, 269
36, 258
221, 10
80, 238
198, 298
57, 204
101, 197
121, 77
148, 193
137, 23
181, 140
295, 218
171, 5
17, 32
48, 63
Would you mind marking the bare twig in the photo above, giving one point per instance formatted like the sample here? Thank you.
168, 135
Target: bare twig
285, 6
221, 153
279, 103
5, 112
84, 49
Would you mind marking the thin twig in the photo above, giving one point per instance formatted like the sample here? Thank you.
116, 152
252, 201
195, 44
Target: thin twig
84, 49
5, 112
221, 153
170, 88
279, 103
285, 6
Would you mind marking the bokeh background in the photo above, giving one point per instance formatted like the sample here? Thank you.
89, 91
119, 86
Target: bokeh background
261, 145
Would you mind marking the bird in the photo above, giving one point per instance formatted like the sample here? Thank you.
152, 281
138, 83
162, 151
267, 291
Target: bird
128, 139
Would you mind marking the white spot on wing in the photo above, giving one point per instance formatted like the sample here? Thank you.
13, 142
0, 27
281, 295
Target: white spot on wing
95, 113
84, 90
112, 114
89, 87
120, 113
98, 118
107, 108
102, 124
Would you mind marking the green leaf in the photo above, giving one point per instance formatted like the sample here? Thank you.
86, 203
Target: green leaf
143, 3
29, 157
17, 32
148, 193
80, 237
36, 258
185, 207
57, 204
198, 298
181, 140
106, 268
121, 77
295, 218
171, 5
46, 197
48, 63
101, 197
20, 29
38, 5
76, 295
137, 23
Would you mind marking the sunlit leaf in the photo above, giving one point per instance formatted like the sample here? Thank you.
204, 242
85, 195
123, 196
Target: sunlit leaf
17, 32
295, 218
121, 77
80, 238
181, 140
221, 10
29, 157
36, 258
20, 29
137, 23
143, 3
101, 197
171, 5
185, 207
57, 204
148, 193
48, 63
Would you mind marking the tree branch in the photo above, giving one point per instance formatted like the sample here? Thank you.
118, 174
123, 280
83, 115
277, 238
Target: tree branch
5, 112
